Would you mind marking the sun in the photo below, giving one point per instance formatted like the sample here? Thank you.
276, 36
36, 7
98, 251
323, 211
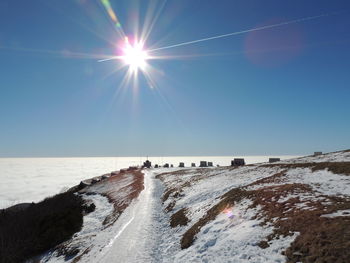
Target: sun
134, 56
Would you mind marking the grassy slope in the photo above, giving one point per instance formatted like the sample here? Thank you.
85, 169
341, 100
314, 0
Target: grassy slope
321, 239
31, 231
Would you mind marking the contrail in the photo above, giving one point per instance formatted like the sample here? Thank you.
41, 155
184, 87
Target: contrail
246, 31
111, 58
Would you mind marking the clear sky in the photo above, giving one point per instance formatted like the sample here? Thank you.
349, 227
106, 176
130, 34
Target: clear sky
283, 90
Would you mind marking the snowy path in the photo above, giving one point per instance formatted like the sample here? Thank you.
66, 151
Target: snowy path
142, 229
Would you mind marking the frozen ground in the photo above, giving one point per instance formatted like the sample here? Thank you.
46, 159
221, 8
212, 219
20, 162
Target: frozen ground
340, 156
141, 233
263, 222
285, 197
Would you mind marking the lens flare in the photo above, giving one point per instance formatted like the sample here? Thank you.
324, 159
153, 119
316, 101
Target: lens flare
134, 55
228, 211
111, 13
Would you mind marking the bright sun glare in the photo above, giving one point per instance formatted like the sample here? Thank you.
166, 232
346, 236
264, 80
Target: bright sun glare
135, 56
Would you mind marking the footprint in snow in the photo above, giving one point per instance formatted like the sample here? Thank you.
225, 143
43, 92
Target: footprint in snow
206, 230
208, 244
219, 222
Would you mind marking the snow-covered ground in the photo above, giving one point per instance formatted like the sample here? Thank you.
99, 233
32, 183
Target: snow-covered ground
228, 238
143, 231
141, 234
234, 234
235, 238
92, 237
341, 156
242, 231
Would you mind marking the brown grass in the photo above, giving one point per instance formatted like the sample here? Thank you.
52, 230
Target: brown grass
290, 219
334, 167
119, 206
326, 241
29, 232
168, 193
321, 239
276, 178
176, 193
235, 195
179, 218
170, 206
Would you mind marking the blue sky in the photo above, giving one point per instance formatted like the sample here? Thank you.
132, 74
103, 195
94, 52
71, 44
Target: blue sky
277, 91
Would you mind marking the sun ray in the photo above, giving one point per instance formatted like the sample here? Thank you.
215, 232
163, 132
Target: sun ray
114, 71
136, 57
150, 22
76, 21
149, 75
122, 86
62, 53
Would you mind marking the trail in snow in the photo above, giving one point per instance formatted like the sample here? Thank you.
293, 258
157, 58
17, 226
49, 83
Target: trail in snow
120, 232
143, 229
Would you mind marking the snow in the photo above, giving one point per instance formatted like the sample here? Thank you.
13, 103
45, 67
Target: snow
92, 224
342, 156
323, 181
235, 239
338, 213
143, 234
205, 192
33, 179
231, 237
143, 227
117, 187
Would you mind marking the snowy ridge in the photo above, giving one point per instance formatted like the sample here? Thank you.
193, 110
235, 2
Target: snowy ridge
243, 232
282, 212
341, 156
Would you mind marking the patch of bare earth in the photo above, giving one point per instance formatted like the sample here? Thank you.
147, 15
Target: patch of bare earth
334, 167
320, 239
179, 218
121, 189
176, 192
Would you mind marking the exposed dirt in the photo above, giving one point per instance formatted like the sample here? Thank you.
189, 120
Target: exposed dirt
321, 239
276, 178
334, 167
289, 207
327, 240
120, 189
176, 192
179, 218
235, 195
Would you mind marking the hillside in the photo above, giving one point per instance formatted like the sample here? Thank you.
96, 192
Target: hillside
296, 210
291, 211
